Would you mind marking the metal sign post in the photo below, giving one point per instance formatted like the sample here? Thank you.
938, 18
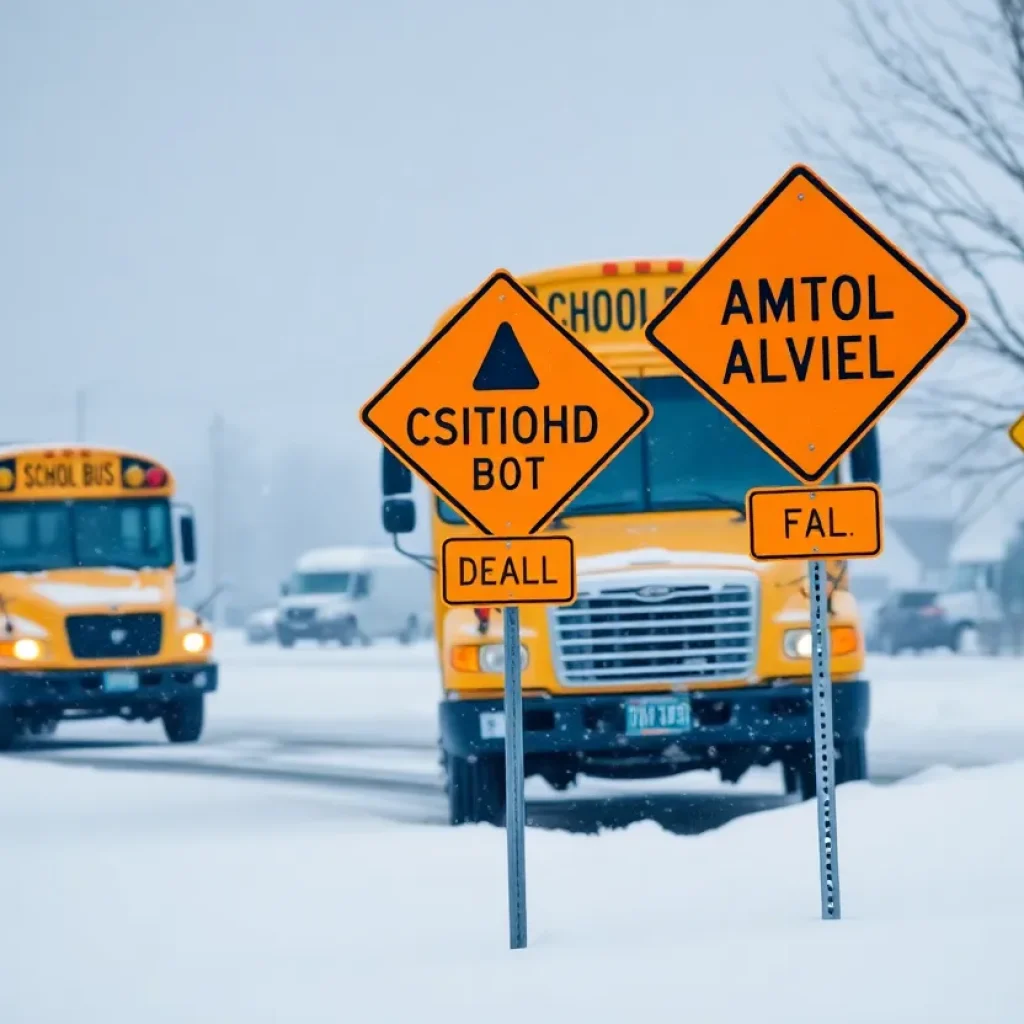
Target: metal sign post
536, 415
515, 796
824, 746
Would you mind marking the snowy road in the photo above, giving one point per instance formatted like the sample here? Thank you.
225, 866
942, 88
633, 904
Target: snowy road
364, 720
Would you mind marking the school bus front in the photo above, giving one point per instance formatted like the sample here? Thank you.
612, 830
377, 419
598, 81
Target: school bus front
680, 651
90, 625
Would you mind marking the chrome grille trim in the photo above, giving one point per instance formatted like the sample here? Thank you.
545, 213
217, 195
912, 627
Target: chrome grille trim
701, 625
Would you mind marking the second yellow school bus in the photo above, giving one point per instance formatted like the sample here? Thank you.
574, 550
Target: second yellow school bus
90, 624
680, 652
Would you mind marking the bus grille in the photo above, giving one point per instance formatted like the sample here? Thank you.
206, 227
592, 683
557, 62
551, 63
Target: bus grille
680, 632
115, 636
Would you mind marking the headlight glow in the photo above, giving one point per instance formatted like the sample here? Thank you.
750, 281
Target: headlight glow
194, 642
797, 643
27, 649
492, 657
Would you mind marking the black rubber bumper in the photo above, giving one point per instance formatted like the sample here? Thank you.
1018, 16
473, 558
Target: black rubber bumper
752, 716
89, 690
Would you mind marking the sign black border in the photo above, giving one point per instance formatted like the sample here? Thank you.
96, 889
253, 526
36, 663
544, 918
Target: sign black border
502, 603
505, 277
813, 181
824, 556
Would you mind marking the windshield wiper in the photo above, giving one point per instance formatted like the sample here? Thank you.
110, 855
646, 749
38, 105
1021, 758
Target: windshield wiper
719, 501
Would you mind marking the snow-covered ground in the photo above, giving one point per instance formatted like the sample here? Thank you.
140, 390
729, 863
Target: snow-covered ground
151, 895
148, 898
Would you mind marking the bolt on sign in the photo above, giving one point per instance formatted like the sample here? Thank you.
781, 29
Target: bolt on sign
806, 324
822, 522
494, 571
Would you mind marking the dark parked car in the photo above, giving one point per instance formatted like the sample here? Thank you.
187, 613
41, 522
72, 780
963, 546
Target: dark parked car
913, 619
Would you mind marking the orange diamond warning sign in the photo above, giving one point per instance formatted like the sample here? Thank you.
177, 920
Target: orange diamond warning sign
504, 413
1017, 433
806, 324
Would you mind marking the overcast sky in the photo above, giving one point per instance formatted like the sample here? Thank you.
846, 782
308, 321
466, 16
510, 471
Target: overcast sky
260, 208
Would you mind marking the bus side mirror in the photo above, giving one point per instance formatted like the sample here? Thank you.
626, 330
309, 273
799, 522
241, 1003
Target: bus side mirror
866, 460
395, 478
187, 527
399, 515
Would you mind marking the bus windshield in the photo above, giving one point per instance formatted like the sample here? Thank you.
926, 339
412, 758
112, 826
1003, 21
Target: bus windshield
690, 456
128, 534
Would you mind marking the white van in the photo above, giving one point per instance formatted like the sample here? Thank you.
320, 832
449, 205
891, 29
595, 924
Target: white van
354, 594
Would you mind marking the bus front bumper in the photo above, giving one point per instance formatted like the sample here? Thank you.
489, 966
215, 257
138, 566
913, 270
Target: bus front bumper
104, 691
754, 716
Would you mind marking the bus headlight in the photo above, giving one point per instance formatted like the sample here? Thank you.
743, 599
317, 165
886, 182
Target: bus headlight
194, 642
492, 657
27, 649
484, 657
797, 643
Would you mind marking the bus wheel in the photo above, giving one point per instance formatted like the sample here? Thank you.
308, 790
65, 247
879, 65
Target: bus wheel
476, 790
183, 720
851, 765
348, 633
8, 728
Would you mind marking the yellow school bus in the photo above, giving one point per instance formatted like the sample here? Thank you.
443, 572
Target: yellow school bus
680, 652
90, 626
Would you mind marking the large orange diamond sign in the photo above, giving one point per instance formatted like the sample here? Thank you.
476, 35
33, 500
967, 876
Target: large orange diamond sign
504, 413
806, 324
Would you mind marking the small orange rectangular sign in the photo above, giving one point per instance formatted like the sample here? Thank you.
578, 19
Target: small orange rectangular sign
497, 571
815, 522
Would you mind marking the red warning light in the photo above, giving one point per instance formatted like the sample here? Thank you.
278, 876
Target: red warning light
155, 477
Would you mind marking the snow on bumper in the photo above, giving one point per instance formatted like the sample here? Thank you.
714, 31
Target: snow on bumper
112, 688
751, 716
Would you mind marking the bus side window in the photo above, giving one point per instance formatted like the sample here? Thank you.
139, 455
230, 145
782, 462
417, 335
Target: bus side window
362, 587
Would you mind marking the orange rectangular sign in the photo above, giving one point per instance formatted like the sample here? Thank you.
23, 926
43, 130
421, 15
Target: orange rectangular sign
815, 522
497, 571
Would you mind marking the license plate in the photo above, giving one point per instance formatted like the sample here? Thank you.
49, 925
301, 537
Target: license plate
120, 682
492, 725
658, 716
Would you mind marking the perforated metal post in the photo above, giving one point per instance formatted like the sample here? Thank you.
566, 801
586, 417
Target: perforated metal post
824, 744
515, 797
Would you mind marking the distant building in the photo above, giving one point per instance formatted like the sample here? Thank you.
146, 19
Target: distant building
930, 543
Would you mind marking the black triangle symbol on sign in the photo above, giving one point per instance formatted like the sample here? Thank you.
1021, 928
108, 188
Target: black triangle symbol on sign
505, 367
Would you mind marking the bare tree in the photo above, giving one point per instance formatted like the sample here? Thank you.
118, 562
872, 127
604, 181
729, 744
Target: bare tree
931, 133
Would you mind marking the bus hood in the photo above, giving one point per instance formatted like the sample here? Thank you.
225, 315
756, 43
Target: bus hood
96, 590
630, 547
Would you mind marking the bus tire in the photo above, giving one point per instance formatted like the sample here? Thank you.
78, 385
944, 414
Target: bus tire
348, 632
9, 729
285, 639
851, 765
183, 719
410, 632
475, 789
